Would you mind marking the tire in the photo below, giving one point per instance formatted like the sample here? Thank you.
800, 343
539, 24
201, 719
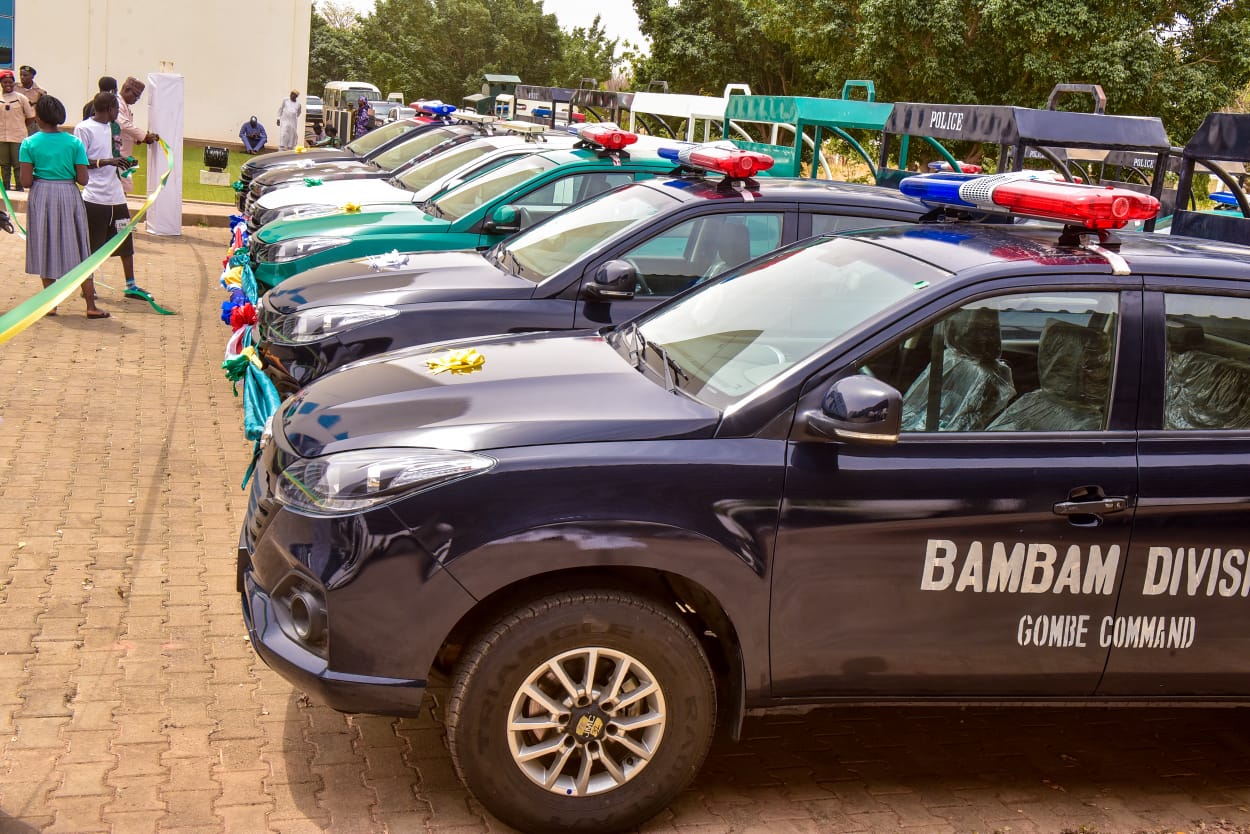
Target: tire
629, 637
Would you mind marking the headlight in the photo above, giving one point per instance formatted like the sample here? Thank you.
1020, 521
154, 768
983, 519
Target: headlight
351, 481
317, 323
298, 247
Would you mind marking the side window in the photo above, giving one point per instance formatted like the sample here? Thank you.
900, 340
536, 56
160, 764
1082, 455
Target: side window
1208, 362
1029, 362
825, 224
702, 248
566, 191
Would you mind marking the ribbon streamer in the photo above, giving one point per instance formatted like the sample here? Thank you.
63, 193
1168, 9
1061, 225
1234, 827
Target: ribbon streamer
457, 362
28, 312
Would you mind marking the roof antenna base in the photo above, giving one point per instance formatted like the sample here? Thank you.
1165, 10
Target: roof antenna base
1074, 236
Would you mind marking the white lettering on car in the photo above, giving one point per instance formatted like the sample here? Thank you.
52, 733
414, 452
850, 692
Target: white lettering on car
946, 120
1205, 571
1019, 567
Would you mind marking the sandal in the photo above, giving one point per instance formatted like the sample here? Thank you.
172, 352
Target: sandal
97, 314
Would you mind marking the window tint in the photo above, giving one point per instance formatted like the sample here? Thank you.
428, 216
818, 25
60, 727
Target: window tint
702, 248
1208, 362
566, 191
825, 224
1037, 362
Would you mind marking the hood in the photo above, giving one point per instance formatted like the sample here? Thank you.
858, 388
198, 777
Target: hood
529, 391
396, 281
298, 170
335, 193
385, 220
269, 161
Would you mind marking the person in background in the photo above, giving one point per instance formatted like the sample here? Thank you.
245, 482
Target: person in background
253, 135
27, 87
132, 89
289, 121
329, 139
106, 84
364, 118
53, 165
104, 198
15, 120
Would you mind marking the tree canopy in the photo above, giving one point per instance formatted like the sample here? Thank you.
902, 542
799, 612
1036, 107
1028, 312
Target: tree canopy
1177, 59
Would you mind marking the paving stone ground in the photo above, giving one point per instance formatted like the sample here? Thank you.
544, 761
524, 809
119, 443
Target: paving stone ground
130, 700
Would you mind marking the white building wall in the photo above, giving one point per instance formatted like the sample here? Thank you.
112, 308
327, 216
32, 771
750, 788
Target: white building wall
71, 43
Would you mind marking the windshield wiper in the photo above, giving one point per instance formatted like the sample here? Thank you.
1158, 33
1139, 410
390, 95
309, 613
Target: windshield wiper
630, 332
671, 369
431, 208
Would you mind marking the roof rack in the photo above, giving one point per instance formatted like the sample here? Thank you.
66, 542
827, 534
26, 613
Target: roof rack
1221, 146
1017, 130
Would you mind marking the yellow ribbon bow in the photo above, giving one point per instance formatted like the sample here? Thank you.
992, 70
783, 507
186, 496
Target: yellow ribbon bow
301, 149
253, 357
352, 208
458, 362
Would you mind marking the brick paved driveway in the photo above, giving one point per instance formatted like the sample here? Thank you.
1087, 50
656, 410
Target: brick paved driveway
130, 700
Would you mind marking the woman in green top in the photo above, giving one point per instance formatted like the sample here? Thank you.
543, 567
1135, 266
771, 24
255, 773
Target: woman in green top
53, 165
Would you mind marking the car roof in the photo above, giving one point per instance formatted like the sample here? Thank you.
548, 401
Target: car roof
983, 247
793, 189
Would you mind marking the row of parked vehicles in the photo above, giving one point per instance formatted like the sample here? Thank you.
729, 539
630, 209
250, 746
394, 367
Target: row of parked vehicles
624, 435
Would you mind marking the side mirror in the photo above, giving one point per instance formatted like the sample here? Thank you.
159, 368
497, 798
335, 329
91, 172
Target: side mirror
505, 220
857, 409
613, 281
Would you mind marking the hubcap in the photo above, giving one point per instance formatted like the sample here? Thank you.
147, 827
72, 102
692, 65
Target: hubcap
586, 721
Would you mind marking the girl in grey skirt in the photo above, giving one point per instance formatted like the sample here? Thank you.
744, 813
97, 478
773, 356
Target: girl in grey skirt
53, 165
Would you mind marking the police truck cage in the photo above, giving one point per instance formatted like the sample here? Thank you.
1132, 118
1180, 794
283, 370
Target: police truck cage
603, 105
1019, 130
680, 116
542, 105
1221, 145
790, 125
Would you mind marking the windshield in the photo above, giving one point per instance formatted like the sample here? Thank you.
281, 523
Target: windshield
736, 334
542, 251
460, 201
419, 176
375, 139
410, 149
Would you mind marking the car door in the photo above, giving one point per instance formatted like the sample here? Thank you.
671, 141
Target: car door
561, 192
1183, 624
685, 252
977, 554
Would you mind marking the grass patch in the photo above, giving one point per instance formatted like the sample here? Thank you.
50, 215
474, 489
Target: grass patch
192, 165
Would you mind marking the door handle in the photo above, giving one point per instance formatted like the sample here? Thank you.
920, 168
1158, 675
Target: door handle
1095, 506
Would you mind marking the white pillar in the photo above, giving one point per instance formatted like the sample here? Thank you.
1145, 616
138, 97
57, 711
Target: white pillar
165, 117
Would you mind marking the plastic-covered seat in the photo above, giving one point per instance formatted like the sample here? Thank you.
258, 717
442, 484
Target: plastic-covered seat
976, 382
1074, 369
1205, 391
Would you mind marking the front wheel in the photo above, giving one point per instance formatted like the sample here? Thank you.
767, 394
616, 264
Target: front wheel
583, 711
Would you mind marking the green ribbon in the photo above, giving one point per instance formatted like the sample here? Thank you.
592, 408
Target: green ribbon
28, 312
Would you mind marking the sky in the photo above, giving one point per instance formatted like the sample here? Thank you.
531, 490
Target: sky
619, 20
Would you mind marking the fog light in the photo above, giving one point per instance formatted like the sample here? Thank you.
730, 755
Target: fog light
308, 617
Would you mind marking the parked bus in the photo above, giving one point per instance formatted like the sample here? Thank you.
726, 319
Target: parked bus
339, 99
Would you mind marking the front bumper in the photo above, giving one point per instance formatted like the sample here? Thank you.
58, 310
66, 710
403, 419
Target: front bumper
310, 673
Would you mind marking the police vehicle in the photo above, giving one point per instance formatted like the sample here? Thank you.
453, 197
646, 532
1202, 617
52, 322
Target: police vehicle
364, 148
417, 145
600, 262
457, 158
477, 214
958, 462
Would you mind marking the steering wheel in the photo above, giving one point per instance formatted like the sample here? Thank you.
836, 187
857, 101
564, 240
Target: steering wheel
775, 351
640, 281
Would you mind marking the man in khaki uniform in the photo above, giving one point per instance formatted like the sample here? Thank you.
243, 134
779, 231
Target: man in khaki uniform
15, 121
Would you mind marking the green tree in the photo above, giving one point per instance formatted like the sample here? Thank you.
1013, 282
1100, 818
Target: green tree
334, 54
586, 53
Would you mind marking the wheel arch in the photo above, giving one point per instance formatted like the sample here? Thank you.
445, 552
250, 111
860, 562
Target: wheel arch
698, 607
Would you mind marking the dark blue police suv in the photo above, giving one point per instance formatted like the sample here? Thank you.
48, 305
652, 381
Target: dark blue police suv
960, 462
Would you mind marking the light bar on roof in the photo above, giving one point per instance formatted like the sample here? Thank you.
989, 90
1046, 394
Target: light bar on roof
474, 118
434, 107
1022, 193
964, 167
525, 128
722, 157
604, 134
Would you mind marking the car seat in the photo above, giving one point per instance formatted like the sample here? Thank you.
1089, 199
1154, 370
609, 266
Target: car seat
733, 247
1203, 390
1074, 371
976, 382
